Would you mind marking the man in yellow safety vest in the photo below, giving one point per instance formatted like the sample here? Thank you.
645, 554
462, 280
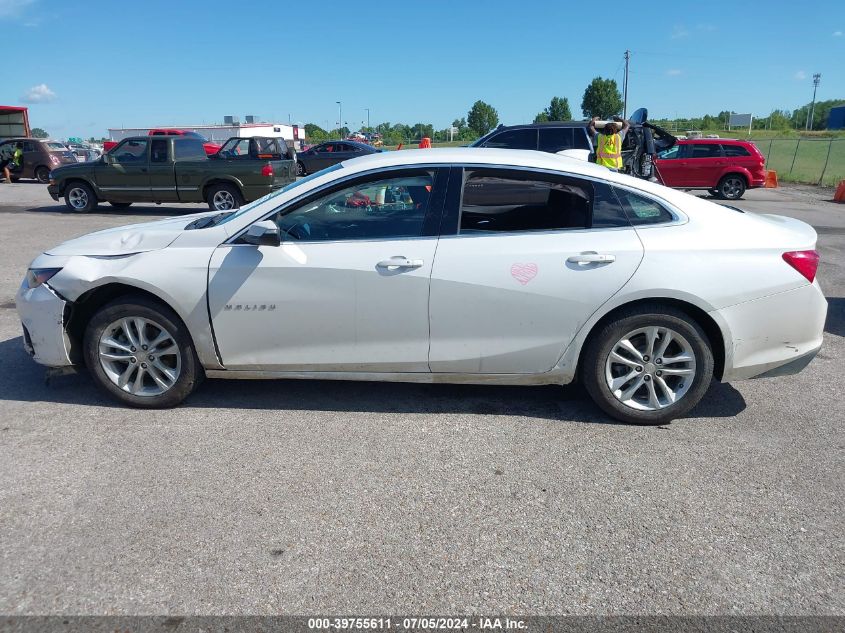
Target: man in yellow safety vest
608, 142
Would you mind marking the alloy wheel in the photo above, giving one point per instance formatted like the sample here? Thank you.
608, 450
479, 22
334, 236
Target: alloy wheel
223, 200
78, 198
732, 188
140, 356
650, 368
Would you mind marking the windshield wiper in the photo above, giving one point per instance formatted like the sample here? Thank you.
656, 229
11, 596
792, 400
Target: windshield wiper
204, 223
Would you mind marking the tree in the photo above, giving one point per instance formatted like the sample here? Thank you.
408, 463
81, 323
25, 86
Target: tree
482, 118
37, 132
602, 99
314, 133
558, 110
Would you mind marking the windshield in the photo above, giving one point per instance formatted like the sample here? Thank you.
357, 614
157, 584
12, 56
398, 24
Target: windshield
290, 187
56, 145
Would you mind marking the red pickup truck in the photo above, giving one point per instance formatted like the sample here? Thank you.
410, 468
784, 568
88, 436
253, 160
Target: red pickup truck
209, 147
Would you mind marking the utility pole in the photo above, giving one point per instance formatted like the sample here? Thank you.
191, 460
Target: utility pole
816, 79
368, 118
625, 86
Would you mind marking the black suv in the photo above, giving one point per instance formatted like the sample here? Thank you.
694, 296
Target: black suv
641, 143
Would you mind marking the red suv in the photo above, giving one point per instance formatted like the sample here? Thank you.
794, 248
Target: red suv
725, 167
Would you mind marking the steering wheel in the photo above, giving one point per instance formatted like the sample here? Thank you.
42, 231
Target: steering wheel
297, 232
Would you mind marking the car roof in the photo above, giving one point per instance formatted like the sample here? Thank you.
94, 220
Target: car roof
520, 126
477, 156
694, 141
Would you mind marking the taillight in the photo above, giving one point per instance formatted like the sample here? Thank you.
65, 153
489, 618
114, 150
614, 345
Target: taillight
54, 159
267, 170
805, 262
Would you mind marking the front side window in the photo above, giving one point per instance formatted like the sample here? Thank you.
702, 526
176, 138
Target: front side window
642, 210
383, 208
134, 151
496, 201
322, 149
705, 150
514, 139
671, 153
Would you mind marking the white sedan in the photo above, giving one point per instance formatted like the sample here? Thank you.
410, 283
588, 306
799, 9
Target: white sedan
455, 265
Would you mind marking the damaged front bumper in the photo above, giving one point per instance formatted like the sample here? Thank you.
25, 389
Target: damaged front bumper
44, 314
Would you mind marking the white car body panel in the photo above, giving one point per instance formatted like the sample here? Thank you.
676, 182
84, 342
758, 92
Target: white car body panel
511, 302
322, 306
486, 325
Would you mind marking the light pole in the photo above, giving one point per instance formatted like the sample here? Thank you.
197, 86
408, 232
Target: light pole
816, 79
339, 117
368, 119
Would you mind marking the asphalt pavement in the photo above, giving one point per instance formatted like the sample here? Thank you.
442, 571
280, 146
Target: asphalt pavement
331, 497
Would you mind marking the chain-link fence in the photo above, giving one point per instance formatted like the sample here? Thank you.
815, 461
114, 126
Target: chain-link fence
817, 161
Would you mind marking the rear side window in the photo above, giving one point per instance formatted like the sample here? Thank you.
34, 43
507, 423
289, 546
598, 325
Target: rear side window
185, 148
514, 139
580, 139
496, 201
607, 212
641, 210
704, 150
735, 150
556, 139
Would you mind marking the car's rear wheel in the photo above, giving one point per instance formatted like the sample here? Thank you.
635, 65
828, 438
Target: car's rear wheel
223, 197
731, 187
300, 168
80, 197
42, 175
650, 365
139, 352
121, 205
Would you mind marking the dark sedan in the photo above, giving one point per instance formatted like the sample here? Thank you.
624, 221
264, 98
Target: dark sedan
330, 153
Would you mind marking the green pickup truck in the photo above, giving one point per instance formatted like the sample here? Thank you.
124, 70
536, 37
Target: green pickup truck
173, 169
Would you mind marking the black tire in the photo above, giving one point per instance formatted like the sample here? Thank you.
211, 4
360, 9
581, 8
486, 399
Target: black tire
42, 174
15, 179
731, 187
80, 197
714, 192
218, 193
300, 168
602, 342
121, 205
190, 373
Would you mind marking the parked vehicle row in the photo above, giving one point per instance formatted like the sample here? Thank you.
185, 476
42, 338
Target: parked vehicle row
324, 155
453, 265
175, 169
209, 147
39, 157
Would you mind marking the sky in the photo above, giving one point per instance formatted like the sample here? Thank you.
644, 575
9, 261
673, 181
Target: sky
83, 66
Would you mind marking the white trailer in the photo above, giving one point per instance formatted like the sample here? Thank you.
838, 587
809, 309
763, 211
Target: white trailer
293, 134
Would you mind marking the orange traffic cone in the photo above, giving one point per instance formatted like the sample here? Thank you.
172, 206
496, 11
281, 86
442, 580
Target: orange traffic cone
771, 179
839, 196
425, 143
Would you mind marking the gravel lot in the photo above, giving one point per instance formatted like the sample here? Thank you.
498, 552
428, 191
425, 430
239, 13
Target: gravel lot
312, 498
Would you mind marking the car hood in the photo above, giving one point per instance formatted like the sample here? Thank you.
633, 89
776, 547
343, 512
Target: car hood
132, 238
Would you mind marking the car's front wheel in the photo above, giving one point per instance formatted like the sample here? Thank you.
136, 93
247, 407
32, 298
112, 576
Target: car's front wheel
649, 365
300, 168
731, 187
80, 197
140, 352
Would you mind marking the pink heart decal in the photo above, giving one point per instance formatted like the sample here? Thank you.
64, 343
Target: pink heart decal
524, 273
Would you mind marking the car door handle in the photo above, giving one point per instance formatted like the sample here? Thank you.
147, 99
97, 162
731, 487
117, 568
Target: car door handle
398, 261
591, 257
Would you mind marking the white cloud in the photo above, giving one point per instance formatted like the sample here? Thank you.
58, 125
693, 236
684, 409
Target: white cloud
13, 8
679, 31
837, 34
800, 75
38, 94
673, 72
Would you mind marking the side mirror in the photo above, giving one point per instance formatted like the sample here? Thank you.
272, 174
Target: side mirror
264, 233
